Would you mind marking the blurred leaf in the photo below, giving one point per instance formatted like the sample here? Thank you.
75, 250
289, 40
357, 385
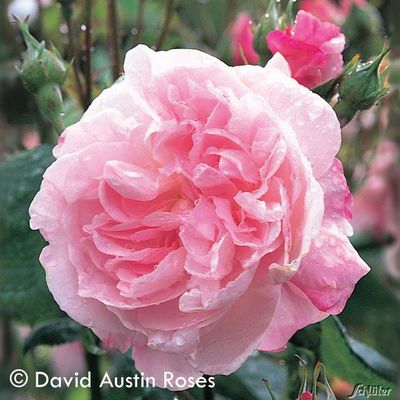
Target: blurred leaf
352, 360
371, 314
363, 29
23, 290
309, 338
92, 343
234, 388
54, 332
160, 394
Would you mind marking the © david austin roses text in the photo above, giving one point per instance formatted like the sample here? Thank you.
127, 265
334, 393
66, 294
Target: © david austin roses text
42, 379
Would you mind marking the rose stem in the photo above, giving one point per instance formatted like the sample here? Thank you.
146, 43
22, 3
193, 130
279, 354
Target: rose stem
72, 52
169, 12
6, 341
92, 362
113, 45
231, 11
47, 133
139, 22
88, 49
208, 392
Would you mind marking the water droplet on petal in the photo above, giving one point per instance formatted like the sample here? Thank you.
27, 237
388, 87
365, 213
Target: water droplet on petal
179, 340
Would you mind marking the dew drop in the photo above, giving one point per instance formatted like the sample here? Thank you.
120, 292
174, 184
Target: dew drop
348, 257
179, 340
318, 243
315, 111
63, 29
300, 120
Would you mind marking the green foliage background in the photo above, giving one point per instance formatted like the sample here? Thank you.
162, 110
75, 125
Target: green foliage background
371, 316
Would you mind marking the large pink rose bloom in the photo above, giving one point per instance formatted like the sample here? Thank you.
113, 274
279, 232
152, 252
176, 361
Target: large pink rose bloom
197, 213
242, 41
313, 49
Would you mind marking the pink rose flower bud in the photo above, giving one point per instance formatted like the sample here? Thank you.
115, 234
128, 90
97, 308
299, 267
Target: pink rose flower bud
313, 49
361, 86
242, 41
306, 396
197, 213
30, 139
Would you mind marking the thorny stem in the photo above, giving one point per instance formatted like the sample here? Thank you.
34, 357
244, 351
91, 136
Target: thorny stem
73, 54
208, 392
6, 341
88, 49
139, 22
170, 8
113, 44
48, 133
92, 362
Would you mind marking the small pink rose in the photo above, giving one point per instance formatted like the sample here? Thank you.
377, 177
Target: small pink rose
242, 41
313, 49
197, 213
329, 10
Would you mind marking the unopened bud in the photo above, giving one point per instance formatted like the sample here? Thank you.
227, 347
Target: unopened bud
40, 66
361, 86
43, 72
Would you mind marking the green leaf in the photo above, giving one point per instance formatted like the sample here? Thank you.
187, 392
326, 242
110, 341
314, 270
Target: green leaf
54, 332
23, 291
232, 388
351, 360
308, 338
248, 382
